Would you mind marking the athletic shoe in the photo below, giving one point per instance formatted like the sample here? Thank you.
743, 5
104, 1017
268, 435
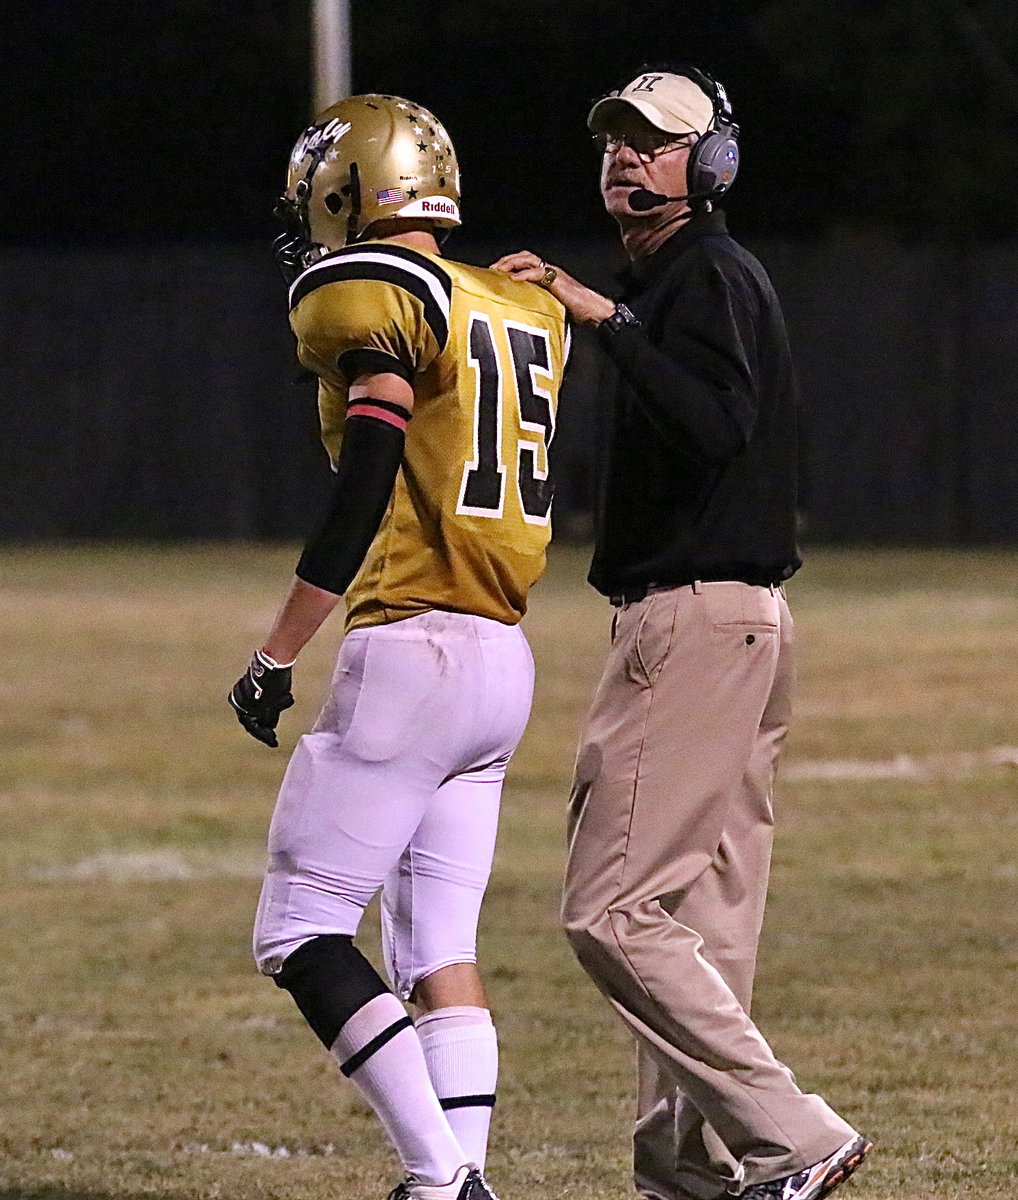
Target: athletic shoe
814, 1182
467, 1184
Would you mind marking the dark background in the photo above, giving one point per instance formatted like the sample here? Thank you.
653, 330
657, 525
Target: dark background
145, 362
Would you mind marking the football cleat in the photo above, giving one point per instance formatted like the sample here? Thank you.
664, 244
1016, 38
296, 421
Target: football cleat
814, 1182
467, 1184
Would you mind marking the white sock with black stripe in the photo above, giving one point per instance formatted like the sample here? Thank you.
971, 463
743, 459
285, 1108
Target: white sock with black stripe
379, 1050
461, 1050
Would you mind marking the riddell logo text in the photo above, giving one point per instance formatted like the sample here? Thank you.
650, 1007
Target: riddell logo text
438, 206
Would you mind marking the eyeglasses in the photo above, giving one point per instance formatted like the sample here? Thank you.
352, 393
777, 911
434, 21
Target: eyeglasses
648, 145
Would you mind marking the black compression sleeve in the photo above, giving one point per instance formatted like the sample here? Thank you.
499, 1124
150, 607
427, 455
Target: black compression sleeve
373, 438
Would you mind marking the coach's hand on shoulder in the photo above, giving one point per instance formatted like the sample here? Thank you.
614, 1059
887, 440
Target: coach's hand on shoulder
260, 695
581, 302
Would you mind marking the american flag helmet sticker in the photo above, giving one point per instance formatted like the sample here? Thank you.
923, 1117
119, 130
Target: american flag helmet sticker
390, 196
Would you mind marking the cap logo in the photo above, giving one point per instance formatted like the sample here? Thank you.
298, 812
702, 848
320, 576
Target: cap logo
646, 83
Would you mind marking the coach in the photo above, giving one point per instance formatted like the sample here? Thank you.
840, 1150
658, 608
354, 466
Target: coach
670, 816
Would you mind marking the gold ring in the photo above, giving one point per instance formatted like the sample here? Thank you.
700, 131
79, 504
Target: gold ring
549, 276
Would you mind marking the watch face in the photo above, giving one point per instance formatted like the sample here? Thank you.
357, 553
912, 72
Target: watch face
620, 319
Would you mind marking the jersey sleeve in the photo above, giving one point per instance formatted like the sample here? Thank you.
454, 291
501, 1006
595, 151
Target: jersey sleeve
371, 309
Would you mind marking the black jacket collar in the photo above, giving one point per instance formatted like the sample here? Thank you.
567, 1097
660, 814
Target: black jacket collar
701, 225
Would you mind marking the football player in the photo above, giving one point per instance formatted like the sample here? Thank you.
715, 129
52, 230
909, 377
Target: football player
438, 386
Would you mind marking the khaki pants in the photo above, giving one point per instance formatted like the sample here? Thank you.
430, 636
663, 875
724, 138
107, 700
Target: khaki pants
670, 841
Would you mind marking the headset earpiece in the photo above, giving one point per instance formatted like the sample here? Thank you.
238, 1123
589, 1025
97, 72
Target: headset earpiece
714, 160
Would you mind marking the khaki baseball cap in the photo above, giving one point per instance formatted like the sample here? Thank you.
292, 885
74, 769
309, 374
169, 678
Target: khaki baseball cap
671, 103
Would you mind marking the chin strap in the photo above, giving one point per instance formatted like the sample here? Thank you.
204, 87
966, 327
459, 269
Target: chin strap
354, 219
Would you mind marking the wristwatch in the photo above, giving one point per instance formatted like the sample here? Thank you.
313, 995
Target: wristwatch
620, 318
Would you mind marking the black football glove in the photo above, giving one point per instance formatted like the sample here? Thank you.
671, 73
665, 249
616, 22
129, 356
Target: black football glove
260, 695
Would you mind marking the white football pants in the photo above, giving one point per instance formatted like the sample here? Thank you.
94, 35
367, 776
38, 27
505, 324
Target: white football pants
398, 787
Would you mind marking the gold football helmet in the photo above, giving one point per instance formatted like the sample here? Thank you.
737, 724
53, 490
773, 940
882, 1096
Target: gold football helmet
367, 159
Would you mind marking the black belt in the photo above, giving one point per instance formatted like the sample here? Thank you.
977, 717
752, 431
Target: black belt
636, 592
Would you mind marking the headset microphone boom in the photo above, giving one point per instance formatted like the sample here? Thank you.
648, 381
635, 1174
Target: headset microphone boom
643, 200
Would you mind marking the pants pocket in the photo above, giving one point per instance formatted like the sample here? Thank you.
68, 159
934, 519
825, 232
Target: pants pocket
737, 606
652, 638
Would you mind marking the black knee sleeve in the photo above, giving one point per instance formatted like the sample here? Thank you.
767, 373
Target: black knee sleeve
330, 980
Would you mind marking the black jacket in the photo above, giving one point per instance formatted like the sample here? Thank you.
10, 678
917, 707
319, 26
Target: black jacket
700, 441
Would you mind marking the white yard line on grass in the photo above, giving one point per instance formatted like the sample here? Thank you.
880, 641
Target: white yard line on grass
160, 866
263, 1150
155, 866
903, 766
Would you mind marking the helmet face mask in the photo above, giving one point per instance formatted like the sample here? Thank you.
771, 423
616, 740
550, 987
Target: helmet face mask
367, 159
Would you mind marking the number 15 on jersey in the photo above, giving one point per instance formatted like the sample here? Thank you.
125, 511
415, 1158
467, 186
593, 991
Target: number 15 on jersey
482, 493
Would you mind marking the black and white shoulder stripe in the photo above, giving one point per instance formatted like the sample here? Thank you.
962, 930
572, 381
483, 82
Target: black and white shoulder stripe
398, 265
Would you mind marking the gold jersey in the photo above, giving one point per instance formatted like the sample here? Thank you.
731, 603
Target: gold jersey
470, 515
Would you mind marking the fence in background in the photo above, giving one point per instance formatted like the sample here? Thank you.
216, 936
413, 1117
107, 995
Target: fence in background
153, 393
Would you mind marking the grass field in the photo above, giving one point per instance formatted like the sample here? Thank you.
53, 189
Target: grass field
142, 1055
